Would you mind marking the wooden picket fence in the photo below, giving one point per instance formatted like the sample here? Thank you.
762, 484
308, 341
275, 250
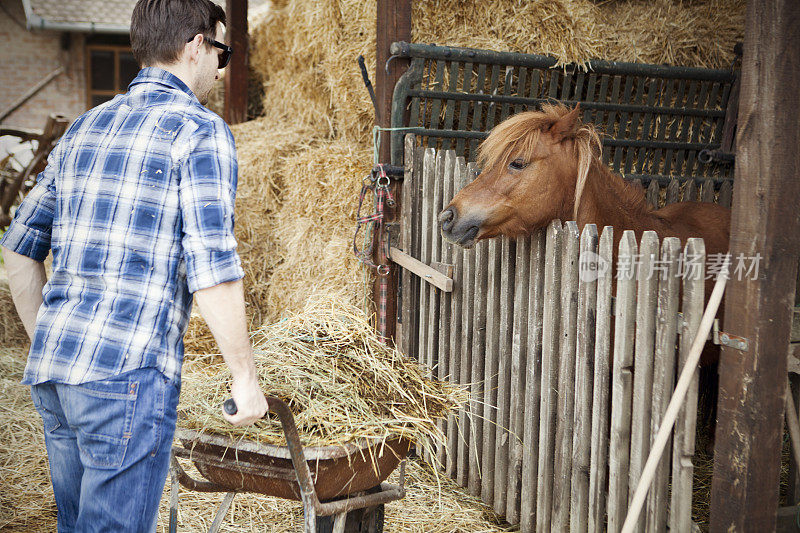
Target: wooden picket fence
568, 384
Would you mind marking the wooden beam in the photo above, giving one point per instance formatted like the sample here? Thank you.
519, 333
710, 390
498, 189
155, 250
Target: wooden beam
764, 222
393, 23
236, 73
432, 275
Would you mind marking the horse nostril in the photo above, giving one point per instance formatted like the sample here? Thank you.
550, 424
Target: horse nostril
446, 218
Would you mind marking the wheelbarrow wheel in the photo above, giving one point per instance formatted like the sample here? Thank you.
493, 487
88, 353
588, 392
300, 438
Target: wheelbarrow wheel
367, 520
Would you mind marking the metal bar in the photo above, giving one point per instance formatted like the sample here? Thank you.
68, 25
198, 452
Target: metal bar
405, 49
450, 105
480, 135
224, 506
244, 467
399, 105
466, 85
389, 493
612, 117
622, 130
477, 111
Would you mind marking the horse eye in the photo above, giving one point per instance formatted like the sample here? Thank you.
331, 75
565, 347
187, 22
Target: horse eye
517, 164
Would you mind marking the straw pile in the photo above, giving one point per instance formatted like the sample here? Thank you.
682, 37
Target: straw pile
340, 382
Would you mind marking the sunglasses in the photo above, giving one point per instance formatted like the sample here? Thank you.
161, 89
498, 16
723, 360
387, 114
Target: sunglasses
225, 57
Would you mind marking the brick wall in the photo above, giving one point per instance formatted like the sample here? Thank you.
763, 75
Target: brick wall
28, 57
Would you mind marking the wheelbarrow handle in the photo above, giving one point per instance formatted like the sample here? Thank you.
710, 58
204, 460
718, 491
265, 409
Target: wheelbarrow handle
304, 480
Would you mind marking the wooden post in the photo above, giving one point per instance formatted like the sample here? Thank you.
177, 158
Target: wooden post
759, 308
393, 23
236, 75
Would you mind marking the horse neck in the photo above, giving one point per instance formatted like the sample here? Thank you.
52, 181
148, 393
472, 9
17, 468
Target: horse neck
608, 200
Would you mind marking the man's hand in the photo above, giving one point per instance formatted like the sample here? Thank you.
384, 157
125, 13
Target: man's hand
250, 402
223, 308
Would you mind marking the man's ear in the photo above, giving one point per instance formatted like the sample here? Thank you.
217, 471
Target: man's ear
192, 48
567, 125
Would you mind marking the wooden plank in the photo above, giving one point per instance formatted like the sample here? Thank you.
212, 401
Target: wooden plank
584, 379
680, 518
467, 313
601, 392
725, 194
551, 336
612, 117
622, 382
653, 194
445, 302
641, 96
565, 407
707, 194
491, 109
622, 129
679, 166
664, 376
673, 192
646, 300
519, 354
507, 90
502, 436
435, 323
690, 191
455, 354
654, 91
477, 385
235, 110
450, 105
690, 168
657, 163
466, 86
426, 223
477, 110
674, 123
490, 372
429, 274
406, 218
533, 383
416, 244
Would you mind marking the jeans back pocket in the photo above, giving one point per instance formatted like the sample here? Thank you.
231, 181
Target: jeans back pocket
101, 412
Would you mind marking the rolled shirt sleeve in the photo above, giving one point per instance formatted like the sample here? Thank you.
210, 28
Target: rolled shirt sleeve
208, 178
31, 231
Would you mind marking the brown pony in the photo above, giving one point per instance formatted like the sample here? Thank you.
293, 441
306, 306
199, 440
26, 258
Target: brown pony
539, 166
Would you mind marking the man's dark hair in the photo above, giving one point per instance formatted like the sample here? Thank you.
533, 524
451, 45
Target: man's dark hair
161, 28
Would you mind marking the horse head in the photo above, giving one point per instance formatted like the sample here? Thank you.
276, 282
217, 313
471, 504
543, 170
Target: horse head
534, 165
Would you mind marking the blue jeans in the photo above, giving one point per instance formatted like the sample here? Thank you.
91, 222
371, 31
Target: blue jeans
108, 443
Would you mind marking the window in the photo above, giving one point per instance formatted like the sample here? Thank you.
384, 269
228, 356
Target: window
109, 70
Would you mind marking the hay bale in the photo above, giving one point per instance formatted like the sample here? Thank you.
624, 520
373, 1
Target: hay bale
339, 380
26, 497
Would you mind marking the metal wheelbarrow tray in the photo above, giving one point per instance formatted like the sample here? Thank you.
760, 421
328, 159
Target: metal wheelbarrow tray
329, 480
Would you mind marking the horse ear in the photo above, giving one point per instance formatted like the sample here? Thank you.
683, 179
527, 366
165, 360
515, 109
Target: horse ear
567, 125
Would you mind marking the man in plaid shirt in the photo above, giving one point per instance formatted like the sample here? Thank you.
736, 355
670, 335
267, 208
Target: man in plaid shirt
136, 204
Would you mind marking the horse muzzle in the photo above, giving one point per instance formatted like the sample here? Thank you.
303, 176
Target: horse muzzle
462, 232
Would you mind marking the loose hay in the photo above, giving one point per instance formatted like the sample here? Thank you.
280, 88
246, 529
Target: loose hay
340, 382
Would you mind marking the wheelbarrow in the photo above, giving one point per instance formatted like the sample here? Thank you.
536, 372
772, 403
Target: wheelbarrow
342, 488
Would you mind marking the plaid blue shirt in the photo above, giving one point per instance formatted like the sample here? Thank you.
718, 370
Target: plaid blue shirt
136, 204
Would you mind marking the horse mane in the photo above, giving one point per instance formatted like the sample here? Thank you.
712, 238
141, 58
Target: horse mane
518, 136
